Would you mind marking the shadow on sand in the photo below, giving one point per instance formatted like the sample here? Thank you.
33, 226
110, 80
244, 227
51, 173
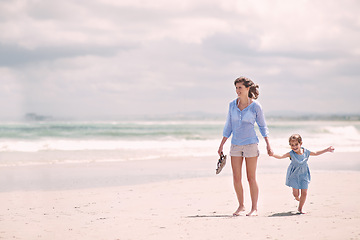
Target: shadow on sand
284, 214
211, 216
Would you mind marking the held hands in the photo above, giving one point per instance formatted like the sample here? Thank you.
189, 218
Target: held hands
269, 150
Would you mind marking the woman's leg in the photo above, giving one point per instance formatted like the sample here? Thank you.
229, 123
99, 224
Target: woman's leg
302, 200
296, 194
236, 164
251, 164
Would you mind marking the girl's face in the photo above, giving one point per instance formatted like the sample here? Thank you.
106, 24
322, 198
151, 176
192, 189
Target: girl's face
241, 90
296, 146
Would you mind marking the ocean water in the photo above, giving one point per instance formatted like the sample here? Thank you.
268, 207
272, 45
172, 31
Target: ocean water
56, 142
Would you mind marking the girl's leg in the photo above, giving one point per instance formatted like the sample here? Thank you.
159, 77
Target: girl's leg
251, 164
302, 200
236, 164
296, 194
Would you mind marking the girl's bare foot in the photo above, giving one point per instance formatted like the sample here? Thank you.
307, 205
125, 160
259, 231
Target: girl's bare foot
297, 199
252, 213
240, 209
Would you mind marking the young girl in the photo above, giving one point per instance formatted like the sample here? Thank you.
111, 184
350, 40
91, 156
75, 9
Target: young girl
298, 173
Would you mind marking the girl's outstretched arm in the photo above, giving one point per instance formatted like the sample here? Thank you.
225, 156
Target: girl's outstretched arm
286, 155
329, 149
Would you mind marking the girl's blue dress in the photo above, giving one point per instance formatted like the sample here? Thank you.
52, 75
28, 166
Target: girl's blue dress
298, 173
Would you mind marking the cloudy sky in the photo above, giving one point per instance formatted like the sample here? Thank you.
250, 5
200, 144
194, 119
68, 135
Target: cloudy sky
103, 58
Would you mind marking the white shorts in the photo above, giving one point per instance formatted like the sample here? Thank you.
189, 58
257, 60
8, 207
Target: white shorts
250, 150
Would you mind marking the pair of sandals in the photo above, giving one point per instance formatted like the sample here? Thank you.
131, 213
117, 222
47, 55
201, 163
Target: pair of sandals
221, 163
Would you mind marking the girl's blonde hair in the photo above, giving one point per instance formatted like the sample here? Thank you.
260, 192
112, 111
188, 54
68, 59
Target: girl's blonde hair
295, 137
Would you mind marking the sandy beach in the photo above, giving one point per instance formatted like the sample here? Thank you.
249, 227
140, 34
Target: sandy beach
178, 199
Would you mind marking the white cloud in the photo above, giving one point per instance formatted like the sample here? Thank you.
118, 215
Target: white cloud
116, 57
10, 94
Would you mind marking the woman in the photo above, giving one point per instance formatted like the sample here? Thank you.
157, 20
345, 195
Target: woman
243, 113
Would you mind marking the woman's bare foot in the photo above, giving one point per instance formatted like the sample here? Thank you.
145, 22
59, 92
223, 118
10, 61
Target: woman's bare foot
252, 213
297, 199
240, 209
300, 211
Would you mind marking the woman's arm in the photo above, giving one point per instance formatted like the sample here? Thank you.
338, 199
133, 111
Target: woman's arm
268, 147
228, 126
226, 131
286, 155
260, 120
329, 149
220, 151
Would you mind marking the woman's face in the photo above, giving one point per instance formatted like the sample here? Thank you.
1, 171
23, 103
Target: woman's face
241, 90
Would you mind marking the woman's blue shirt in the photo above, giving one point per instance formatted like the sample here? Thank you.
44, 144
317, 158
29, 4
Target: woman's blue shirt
241, 124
